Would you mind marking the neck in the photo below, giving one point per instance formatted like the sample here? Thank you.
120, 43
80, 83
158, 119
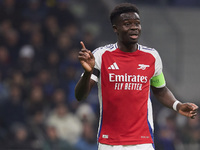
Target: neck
127, 47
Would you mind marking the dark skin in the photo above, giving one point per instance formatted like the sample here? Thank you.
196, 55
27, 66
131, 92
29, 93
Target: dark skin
127, 28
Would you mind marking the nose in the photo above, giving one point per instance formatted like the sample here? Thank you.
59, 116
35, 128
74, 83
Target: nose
133, 26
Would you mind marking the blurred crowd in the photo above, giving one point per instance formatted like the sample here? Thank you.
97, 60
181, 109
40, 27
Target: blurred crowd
39, 68
39, 44
178, 3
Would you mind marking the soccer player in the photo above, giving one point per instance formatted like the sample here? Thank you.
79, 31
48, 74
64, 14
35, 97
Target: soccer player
124, 72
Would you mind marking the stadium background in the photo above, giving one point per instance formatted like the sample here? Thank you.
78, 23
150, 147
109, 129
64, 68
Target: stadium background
39, 42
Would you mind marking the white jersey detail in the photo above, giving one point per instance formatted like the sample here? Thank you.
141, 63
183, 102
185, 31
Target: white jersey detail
158, 63
99, 52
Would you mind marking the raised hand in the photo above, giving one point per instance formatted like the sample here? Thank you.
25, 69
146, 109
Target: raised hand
86, 58
188, 110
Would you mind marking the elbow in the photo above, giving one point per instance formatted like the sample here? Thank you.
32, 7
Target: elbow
77, 94
79, 97
81, 92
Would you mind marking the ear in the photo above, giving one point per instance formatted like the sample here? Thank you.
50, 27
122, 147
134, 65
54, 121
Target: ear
114, 28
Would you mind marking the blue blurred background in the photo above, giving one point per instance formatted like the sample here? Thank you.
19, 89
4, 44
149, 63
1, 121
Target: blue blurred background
39, 44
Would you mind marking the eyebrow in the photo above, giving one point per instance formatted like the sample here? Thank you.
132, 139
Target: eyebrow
136, 19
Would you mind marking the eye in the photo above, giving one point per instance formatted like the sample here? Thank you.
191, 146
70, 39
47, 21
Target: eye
127, 23
137, 23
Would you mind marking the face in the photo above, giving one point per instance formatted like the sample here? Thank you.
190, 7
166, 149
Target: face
128, 28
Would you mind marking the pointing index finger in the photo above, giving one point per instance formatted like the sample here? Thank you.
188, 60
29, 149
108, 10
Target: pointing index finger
83, 45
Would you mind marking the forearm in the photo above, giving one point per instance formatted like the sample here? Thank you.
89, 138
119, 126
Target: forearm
83, 87
165, 96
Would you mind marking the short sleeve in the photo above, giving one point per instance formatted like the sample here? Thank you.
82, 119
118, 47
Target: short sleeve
96, 72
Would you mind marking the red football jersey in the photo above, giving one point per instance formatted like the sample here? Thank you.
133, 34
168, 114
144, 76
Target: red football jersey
124, 94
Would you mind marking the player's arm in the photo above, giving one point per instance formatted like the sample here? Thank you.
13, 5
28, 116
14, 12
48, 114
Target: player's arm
166, 97
84, 85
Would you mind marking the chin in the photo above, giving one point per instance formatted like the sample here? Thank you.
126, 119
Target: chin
130, 42
133, 41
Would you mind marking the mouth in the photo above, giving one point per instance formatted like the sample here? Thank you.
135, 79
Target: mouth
134, 36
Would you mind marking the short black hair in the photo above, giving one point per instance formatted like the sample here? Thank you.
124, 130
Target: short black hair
122, 8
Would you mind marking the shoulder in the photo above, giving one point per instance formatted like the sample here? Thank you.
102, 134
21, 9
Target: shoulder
149, 50
102, 49
145, 48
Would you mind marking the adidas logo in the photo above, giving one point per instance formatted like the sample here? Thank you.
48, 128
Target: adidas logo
114, 66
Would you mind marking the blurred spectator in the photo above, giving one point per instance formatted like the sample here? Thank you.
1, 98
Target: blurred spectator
167, 135
64, 44
26, 52
20, 138
4, 91
69, 83
59, 97
5, 27
36, 101
190, 131
5, 63
54, 142
75, 34
88, 139
45, 80
62, 13
86, 114
37, 41
89, 40
166, 132
36, 11
53, 63
36, 125
68, 125
26, 61
9, 9
194, 126
17, 78
3, 136
70, 72
186, 3
25, 31
12, 42
13, 109
51, 30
